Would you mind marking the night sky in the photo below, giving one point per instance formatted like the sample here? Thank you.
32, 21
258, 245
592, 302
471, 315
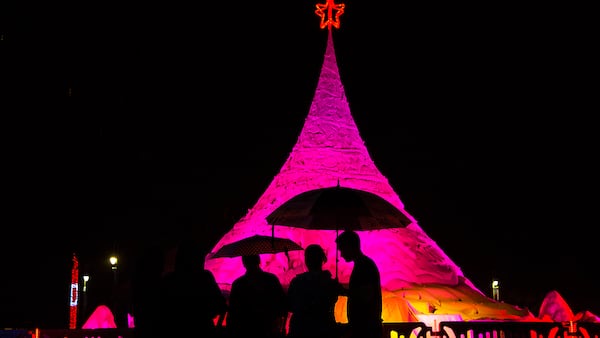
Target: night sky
131, 125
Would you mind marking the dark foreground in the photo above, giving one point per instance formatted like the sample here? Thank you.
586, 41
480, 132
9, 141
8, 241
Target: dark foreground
404, 329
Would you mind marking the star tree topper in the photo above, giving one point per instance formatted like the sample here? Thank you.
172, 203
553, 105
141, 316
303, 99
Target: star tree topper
327, 18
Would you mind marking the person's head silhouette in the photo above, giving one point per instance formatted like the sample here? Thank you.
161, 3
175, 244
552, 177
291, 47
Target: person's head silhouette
251, 262
348, 243
314, 257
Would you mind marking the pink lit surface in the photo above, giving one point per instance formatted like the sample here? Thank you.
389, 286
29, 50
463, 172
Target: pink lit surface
101, 318
417, 276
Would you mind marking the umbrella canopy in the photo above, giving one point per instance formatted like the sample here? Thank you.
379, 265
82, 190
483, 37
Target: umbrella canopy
256, 245
336, 208
332, 208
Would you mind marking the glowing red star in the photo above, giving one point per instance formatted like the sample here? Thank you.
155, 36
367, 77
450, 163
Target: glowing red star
327, 19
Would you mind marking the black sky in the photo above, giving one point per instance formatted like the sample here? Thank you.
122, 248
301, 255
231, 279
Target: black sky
481, 116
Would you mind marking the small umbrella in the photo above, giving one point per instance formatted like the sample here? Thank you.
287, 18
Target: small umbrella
332, 208
256, 245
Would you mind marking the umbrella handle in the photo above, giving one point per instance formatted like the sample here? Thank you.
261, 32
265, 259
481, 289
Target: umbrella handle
287, 255
336, 253
273, 235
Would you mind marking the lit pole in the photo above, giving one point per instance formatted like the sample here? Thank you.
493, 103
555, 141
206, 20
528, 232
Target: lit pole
74, 293
496, 290
86, 278
113, 260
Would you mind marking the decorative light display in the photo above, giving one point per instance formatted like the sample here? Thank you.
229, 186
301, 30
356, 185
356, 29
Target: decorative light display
74, 294
325, 11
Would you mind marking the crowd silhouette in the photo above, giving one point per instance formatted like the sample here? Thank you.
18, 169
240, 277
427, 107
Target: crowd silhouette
187, 300
180, 303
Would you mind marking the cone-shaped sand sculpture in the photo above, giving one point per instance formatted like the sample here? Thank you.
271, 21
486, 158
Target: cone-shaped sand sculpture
418, 278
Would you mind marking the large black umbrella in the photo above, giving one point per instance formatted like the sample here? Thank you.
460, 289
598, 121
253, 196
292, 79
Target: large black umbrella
256, 245
334, 208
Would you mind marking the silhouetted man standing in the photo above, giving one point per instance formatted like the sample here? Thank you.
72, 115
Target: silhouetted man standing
257, 303
312, 296
364, 289
190, 298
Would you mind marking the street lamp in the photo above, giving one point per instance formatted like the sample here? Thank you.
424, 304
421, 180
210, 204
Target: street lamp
496, 290
113, 260
86, 278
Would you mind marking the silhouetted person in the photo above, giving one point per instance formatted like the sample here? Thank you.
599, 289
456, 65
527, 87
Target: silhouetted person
312, 296
190, 296
257, 303
145, 291
364, 289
